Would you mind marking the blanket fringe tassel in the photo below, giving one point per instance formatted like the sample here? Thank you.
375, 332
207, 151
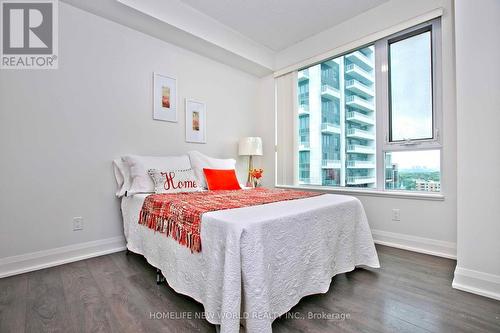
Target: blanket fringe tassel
170, 228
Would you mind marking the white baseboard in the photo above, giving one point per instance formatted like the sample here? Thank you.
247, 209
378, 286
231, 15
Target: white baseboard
471, 281
416, 244
476, 282
58, 256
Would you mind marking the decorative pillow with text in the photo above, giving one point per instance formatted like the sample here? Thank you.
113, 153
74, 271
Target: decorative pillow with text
174, 181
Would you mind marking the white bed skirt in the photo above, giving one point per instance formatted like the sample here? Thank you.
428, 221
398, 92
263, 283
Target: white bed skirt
257, 262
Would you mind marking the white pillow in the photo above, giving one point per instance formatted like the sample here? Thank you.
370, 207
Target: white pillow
200, 161
139, 166
174, 181
122, 176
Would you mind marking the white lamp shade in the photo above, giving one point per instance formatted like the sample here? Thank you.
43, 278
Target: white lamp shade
250, 146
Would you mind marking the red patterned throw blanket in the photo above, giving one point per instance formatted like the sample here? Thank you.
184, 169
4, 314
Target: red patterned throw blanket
179, 215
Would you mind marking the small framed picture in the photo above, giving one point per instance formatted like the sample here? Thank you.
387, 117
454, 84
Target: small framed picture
196, 118
165, 98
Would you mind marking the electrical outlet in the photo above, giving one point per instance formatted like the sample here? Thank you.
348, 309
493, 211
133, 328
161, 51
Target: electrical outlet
396, 215
77, 223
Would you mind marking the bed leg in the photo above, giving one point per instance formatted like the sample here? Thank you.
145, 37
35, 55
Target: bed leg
159, 276
217, 328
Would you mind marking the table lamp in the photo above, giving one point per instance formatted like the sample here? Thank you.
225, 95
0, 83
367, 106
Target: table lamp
250, 146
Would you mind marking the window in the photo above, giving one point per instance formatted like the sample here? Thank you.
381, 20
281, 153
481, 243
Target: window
304, 95
304, 130
341, 120
413, 170
412, 119
330, 74
330, 112
393, 83
331, 147
304, 166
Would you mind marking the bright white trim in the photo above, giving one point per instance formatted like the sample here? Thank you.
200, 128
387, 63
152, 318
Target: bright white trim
362, 41
476, 282
61, 255
430, 246
368, 192
200, 25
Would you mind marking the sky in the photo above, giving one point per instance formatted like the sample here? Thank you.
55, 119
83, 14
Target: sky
411, 107
429, 159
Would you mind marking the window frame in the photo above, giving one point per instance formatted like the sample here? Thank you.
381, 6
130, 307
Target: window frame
411, 34
382, 104
382, 73
409, 191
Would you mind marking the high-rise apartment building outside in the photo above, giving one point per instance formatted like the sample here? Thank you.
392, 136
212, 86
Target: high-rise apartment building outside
336, 101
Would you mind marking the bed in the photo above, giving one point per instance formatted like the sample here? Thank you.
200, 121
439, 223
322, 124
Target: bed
258, 262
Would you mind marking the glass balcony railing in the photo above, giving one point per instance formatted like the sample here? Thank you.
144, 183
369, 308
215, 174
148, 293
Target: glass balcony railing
360, 59
360, 134
330, 128
358, 73
360, 118
359, 88
330, 164
360, 149
329, 91
360, 103
353, 82
303, 146
303, 109
361, 164
358, 180
330, 182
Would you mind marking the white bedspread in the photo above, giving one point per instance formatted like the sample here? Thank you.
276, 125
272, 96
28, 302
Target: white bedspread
258, 262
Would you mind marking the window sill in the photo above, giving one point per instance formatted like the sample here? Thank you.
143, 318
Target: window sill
370, 193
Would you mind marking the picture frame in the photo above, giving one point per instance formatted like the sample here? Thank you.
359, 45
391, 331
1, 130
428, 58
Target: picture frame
196, 118
164, 98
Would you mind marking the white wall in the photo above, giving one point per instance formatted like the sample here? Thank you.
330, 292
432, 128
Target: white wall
425, 225
60, 129
372, 21
478, 107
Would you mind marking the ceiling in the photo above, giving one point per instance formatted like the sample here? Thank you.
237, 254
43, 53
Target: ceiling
278, 24
245, 34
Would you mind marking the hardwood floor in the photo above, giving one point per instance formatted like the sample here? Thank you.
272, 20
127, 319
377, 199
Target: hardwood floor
118, 293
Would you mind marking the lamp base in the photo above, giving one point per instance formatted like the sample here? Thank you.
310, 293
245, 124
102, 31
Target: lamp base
250, 167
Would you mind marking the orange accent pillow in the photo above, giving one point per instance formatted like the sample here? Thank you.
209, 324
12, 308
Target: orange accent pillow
221, 179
